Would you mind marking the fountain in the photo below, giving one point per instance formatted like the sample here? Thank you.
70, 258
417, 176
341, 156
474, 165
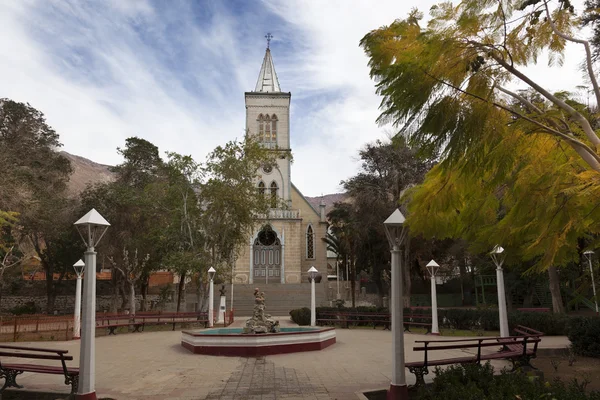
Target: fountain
260, 322
260, 336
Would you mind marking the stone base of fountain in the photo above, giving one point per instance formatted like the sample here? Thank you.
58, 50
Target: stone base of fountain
232, 342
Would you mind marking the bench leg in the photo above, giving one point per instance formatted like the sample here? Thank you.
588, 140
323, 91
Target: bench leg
522, 361
10, 378
72, 380
111, 330
419, 372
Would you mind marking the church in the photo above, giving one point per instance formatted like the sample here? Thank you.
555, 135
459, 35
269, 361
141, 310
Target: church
286, 241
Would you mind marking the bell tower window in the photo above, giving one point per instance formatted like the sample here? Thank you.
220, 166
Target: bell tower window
267, 129
310, 242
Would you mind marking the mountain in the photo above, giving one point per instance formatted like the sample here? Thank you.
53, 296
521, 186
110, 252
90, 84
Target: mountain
328, 199
86, 172
89, 172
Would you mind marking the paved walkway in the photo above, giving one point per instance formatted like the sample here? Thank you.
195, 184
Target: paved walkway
153, 365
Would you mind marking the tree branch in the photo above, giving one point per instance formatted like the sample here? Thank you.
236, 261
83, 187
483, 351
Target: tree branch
588, 52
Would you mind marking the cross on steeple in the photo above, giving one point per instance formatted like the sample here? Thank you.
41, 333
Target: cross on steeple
269, 37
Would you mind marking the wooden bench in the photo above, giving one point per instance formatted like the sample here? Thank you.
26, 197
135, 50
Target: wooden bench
172, 318
346, 319
9, 371
117, 322
422, 320
332, 318
518, 349
541, 309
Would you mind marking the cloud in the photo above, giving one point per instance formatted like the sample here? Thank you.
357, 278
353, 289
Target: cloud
175, 72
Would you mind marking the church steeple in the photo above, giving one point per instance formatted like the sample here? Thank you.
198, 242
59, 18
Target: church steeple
267, 78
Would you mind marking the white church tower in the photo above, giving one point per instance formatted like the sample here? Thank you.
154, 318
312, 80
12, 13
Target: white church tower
286, 241
268, 118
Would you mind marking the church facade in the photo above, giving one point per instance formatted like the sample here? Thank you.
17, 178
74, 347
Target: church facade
286, 241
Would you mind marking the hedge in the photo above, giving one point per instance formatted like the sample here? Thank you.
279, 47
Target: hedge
464, 319
473, 381
584, 334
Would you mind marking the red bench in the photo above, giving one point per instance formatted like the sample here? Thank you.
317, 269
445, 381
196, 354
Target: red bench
9, 371
347, 319
518, 349
117, 322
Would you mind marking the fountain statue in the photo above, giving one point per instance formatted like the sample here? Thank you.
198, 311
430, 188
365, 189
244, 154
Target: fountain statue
260, 322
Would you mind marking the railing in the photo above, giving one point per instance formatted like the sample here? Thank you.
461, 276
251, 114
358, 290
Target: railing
36, 327
228, 320
276, 213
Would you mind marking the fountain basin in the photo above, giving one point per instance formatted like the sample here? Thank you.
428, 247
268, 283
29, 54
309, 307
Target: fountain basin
231, 341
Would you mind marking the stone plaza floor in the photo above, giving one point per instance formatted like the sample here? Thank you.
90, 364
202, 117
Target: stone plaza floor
153, 365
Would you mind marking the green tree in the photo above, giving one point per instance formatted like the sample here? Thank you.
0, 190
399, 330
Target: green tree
33, 184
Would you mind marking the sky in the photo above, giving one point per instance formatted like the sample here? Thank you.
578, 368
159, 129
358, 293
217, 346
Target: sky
175, 72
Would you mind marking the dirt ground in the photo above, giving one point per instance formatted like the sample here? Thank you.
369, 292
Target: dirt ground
584, 369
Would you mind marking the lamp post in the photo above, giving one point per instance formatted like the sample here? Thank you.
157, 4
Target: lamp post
498, 256
312, 274
91, 227
433, 268
396, 234
78, 267
211, 300
337, 279
589, 254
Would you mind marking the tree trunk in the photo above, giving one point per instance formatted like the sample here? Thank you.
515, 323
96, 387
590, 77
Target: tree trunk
352, 280
144, 291
132, 298
180, 289
115, 292
124, 296
554, 281
463, 273
50, 293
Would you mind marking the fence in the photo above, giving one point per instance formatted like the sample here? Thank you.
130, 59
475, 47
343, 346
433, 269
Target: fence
41, 327
35, 327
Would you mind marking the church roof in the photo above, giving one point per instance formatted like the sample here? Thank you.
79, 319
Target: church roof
267, 78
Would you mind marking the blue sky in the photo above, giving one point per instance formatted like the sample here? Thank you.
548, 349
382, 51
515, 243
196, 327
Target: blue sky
174, 72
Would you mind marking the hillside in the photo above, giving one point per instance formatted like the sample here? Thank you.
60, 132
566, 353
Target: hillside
89, 172
86, 172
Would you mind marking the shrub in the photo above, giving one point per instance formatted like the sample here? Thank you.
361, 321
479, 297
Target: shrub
584, 334
27, 308
301, 316
473, 381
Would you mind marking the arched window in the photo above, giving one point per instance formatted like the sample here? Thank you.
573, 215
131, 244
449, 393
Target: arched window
261, 127
310, 242
261, 188
274, 194
273, 128
267, 128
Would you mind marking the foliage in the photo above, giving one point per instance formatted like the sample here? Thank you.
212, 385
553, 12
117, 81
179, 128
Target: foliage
478, 382
28, 308
520, 168
301, 316
583, 334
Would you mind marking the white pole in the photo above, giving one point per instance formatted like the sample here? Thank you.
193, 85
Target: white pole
504, 331
435, 330
593, 284
87, 352
77, 316
398, 388
313, 310
211, 304
337, 271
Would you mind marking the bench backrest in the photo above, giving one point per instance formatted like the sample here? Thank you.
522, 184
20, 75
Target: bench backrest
35, 353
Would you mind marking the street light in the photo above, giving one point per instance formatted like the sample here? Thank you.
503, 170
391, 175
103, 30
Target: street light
589, 254
396, 233
433, 268
91, 227
312, 274
78, 267
498, 256
211, 304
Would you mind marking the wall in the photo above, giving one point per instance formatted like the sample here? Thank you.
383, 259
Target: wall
65, 304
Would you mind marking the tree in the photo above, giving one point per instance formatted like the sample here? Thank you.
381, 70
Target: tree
131, 269
33, 184
532, 168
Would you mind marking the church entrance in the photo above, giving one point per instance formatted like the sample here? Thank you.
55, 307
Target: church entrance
267, 256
